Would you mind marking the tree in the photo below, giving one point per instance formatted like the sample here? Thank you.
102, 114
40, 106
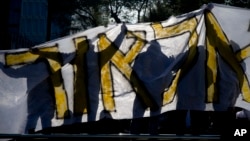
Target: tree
88, 12
138, 6
75, 14
84, 14
115, 7
60, 12
158, 11
239, 3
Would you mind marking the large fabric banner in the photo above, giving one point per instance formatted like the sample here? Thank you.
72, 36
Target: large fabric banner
195, 61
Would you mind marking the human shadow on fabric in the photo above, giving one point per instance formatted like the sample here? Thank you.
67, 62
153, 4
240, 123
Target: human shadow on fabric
150, 67
40, 84
38, 94
87, 97
93, 63
38, 97
230, 75
93, 82
230, 85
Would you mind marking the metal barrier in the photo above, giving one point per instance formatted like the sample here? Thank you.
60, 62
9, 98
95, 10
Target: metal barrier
123, 137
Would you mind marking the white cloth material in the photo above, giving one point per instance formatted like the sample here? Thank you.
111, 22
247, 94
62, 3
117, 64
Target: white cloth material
127, 71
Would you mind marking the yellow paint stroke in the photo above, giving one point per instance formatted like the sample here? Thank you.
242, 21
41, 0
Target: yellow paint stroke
106, 52
52, 55
60, 95
243, 53
211, 73
137, 46
20, 58
110, 54
80, 76
219, 41
168, 95
175, 30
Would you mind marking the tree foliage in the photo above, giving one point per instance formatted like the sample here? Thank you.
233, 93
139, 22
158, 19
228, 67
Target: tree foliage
83, 14
76, 14
238, 3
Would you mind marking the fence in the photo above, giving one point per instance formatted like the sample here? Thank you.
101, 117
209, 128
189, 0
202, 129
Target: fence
115, 137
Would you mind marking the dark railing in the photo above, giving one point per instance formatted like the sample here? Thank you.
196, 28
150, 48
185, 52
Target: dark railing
167, 126
115, 137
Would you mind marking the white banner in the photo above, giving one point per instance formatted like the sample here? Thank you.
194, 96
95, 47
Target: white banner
197, 61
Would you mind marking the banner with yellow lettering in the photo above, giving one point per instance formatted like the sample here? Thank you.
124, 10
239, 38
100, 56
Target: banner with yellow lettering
197, 61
